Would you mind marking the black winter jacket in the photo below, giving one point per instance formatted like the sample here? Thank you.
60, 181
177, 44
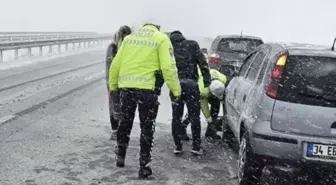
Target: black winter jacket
110, 54
188, 56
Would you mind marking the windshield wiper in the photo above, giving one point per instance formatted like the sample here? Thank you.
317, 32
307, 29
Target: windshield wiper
321, 97
239, 51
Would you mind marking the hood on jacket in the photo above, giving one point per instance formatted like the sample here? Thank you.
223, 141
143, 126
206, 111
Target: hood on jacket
176, 36
119, 36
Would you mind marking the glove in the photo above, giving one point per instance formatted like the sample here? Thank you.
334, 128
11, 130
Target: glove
159, 81
209, 120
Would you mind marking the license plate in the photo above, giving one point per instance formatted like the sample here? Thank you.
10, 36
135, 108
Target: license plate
321, 151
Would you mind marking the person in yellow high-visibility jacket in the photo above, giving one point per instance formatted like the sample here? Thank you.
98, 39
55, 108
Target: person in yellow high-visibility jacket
133, 71
212, 95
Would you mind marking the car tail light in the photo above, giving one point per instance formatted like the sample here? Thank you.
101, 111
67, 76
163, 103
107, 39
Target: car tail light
272, 87
214, 59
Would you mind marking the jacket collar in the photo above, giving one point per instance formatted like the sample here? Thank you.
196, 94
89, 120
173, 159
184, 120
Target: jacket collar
150, 26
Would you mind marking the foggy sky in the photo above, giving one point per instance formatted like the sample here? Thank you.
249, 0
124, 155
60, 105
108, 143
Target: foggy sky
308, 21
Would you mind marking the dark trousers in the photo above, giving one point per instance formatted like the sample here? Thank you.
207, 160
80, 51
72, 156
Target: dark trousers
114, 109
214, 111
191, 97
147, 102
214, 107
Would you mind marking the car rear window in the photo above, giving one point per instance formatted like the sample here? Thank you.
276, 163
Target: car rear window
231, 45
309, 80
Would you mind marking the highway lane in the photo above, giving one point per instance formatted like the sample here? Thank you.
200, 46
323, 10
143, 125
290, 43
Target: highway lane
55, 131
21, 88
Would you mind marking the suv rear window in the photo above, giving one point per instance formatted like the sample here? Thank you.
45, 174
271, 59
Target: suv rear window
241, 45
309, 80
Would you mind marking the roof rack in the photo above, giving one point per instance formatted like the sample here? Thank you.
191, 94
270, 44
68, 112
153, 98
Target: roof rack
333, 46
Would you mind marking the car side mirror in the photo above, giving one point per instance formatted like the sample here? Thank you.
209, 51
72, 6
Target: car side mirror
229, 71
204, 50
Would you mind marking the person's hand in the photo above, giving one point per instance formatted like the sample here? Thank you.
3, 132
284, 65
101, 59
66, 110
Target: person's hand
111, 92
209, 120
176, 99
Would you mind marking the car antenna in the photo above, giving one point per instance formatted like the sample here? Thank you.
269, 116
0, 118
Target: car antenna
333, 46
241, 33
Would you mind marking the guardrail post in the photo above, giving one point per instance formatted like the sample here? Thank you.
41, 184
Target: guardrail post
79, 44
50, 49
66, 46
59, 48
16, 54
73, 46
29, 52
41, 50
1, 56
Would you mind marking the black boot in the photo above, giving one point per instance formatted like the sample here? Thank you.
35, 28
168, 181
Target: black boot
145, 172
211, 133
120, 154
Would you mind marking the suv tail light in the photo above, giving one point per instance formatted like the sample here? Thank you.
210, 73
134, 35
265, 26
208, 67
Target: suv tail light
214, 59
272, 87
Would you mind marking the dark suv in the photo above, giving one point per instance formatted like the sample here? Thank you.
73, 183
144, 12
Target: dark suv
231, 50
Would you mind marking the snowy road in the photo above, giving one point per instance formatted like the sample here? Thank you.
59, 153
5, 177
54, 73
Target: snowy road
54, 130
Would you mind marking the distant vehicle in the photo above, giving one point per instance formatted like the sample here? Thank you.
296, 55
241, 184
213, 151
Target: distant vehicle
281, 108
205, 52
231, 50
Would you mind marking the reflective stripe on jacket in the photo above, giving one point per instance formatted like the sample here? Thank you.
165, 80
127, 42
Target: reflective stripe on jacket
140, 55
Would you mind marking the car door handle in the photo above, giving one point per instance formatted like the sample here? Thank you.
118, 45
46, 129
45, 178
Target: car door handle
244, 98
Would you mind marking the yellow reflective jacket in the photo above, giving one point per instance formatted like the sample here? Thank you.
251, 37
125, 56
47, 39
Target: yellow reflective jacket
205, 92
139, 56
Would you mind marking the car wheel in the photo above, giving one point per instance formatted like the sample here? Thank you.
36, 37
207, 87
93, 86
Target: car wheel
250, 168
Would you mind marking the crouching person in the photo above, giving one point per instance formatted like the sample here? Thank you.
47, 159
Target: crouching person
213, 96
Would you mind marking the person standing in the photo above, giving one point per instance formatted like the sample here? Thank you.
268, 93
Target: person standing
141, 56
188, 57
114, 105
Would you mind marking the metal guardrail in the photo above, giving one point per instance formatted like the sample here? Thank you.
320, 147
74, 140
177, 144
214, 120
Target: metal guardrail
45, 32
6, 37
41, 39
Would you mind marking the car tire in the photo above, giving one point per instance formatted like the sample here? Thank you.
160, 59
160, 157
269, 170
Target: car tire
250, 166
